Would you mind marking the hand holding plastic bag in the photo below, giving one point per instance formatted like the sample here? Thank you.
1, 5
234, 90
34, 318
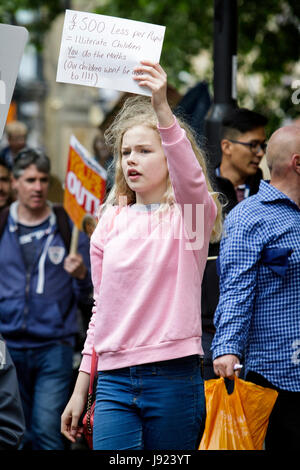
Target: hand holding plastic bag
237, 421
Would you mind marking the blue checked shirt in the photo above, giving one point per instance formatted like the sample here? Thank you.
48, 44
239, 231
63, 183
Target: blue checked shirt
258, 315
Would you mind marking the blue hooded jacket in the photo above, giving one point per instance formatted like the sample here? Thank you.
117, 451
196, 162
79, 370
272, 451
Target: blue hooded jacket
39, 307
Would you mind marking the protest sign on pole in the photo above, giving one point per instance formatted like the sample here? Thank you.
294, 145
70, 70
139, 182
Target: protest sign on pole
102, 51
12, 43
85, 184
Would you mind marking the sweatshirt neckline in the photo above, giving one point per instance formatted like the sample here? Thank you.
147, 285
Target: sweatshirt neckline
144, 207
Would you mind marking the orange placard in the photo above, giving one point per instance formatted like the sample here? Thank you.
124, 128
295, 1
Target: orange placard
85, 184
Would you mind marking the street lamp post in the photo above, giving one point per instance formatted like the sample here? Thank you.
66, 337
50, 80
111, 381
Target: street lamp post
225, 68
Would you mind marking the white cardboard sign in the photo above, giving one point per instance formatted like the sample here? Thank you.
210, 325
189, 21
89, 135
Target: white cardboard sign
102, 51
12, 43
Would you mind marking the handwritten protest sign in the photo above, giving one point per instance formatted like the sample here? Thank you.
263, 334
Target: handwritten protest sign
102, 51
84, 184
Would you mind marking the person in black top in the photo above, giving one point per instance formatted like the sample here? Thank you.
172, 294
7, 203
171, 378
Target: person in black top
12, 421
243, 145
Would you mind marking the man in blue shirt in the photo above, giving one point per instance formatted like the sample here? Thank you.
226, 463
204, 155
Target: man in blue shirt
258, 315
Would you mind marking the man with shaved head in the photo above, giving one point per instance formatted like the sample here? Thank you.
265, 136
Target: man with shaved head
283, 145
258, 316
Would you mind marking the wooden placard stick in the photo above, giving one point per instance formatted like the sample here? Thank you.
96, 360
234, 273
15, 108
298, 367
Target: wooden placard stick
74, 240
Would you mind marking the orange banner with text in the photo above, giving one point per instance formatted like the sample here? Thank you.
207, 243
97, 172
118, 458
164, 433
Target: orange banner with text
85, 184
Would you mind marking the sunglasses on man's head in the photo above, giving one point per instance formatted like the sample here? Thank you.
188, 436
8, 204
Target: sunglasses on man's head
23, 153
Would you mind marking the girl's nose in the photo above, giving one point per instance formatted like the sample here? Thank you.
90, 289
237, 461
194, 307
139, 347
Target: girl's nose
132, 158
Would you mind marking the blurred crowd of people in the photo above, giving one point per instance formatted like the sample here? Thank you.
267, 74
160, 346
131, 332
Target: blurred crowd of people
39, 346
250, 289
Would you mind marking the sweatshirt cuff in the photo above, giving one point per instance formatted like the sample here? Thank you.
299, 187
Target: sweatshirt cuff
86, 364
171, 135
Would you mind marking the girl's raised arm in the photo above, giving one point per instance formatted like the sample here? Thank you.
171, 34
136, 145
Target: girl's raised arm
155, 78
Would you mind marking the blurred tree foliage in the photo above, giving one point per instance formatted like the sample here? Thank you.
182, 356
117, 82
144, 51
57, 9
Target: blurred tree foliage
268, 44
268, 41
43, 13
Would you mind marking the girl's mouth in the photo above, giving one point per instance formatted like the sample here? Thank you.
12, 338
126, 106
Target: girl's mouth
133, 175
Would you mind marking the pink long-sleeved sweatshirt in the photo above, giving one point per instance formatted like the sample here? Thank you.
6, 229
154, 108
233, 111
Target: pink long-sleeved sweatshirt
147, 268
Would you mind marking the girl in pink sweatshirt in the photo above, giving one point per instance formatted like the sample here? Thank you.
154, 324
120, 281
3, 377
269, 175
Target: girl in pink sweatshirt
148, 254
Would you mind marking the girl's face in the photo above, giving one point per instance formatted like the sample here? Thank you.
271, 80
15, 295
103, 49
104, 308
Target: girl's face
144, 164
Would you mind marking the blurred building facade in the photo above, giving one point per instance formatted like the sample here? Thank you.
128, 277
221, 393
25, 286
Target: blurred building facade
69, 109
54, 111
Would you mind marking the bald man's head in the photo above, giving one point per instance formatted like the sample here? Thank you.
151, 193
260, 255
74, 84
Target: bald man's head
283, 144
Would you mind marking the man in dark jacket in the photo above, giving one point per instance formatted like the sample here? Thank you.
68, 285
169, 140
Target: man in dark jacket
243, 144
40, 285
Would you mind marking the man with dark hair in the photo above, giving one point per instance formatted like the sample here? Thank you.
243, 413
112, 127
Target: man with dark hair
40, 286
243, 144
6, 196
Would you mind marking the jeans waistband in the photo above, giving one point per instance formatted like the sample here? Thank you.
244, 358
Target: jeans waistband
187, 362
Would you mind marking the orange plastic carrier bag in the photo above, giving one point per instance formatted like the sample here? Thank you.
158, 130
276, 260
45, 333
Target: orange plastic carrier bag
236, 421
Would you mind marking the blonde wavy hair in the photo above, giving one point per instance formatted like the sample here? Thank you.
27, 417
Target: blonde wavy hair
136, 111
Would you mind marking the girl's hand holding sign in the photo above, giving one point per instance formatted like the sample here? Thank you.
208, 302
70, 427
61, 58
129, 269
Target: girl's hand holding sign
154, 77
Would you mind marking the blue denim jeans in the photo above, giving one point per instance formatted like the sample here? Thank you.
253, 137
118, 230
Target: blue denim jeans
157, 406
44, 376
